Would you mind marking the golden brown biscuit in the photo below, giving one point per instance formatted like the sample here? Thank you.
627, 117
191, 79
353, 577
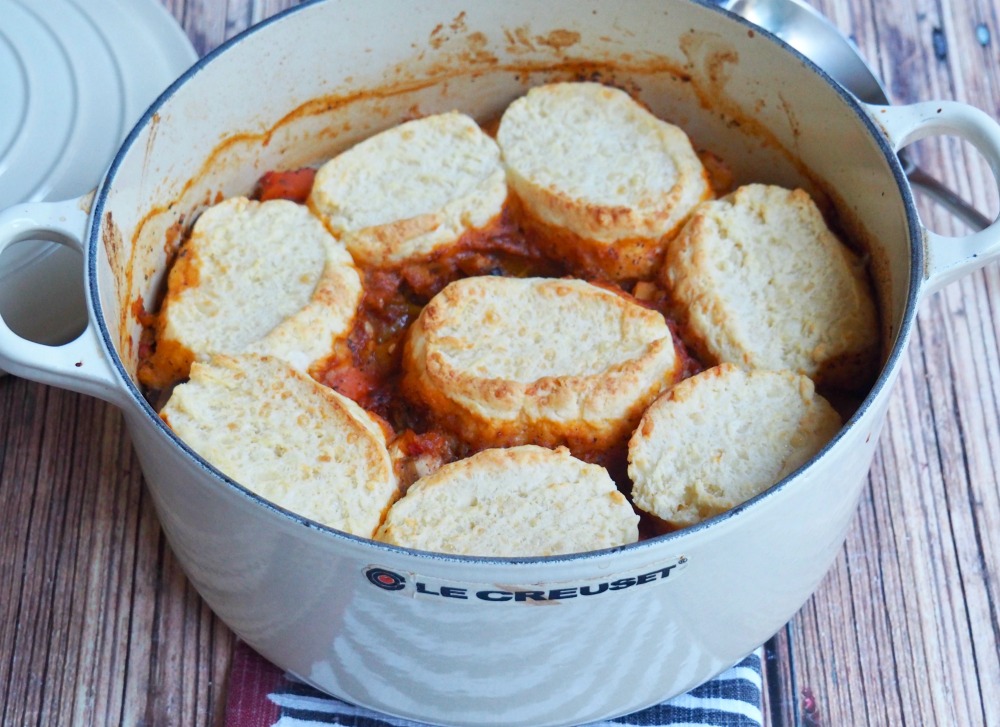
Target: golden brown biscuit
254, 276
522, 501
722, 436
603, 183
757, 279
411, 191
506, 361
287, 438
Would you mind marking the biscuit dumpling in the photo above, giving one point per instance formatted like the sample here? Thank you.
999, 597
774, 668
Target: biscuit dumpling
723, 436
602, 183
287, 438
507, 361
411, 191
254, 276
758, 279
523, 501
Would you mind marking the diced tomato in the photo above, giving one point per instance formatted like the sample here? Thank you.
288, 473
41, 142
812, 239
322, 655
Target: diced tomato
293, 185
353, 383
433, 443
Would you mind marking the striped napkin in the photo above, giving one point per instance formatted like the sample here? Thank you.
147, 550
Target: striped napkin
262, 695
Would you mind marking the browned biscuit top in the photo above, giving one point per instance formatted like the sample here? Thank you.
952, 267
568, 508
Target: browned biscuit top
509, 360
722, 436
521, 501
601, 179
758, 279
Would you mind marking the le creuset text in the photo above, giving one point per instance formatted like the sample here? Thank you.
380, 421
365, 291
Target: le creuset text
414, 585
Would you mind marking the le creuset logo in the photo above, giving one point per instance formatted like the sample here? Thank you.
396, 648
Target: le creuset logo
386, 579
412, 584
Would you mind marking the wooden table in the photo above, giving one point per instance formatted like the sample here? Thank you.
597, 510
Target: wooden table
99, 626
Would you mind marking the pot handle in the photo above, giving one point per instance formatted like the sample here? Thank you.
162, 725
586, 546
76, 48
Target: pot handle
948, 258
80, 365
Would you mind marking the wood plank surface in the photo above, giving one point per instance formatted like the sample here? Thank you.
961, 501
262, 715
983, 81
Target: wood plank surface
904, 630
98, 625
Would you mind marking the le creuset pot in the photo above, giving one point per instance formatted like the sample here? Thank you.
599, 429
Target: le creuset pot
475, 641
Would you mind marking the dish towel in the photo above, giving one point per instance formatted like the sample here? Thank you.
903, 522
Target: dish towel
262, 695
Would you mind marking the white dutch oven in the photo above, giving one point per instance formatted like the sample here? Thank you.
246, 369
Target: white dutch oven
474, 641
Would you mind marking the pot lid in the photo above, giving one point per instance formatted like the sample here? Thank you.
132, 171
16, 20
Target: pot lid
75, 75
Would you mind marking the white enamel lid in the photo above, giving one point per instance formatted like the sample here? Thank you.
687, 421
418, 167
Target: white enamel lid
75, 75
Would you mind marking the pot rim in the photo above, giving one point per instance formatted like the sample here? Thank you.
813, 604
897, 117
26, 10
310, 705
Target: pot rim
881, 386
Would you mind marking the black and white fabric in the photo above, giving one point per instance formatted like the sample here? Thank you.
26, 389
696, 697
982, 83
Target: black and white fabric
260, 695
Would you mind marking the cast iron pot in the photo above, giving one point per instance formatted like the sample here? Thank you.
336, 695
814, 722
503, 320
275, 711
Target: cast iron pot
471, 641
